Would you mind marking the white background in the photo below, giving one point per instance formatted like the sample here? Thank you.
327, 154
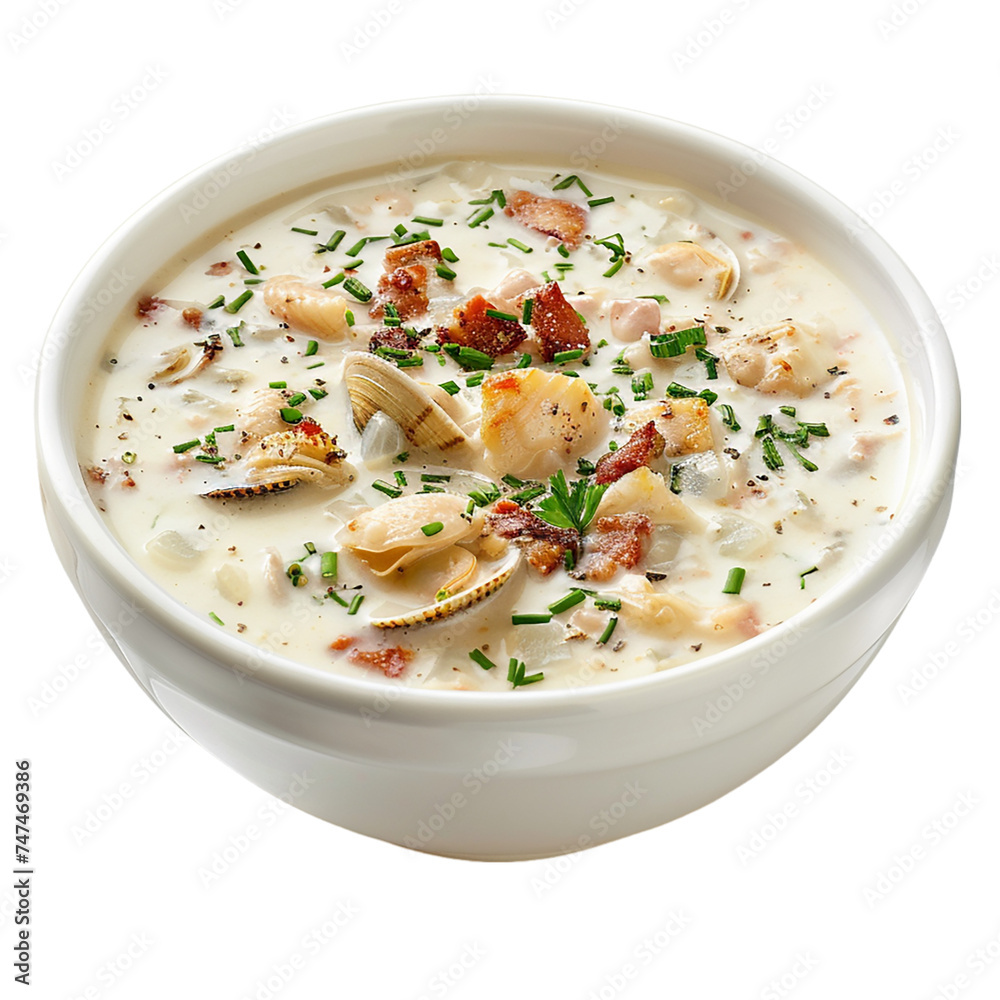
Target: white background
890, 106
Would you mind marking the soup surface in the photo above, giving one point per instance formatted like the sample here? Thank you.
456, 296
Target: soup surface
496, 426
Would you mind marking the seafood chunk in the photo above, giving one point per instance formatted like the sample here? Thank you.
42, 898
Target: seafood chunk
392, 662
686, 265
405, 288
426, 252
641, 448
551, 216
307, 308
774, 359
391, 536
489, 334
375, 385
261, 416
631, 318
544, 544
645, 492
614, 543
532, 421
647, 607
302, 451
512, 289
555, 322
685, 426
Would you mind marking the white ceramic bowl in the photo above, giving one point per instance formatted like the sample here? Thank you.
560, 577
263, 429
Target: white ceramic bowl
529, 773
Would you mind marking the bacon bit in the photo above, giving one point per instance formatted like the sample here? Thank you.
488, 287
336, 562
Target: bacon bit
544, 544
640, 449
343, 642
128, 482
617, 542
392, 662
309, 427
405, 288
96, 474
473, 328
396, 337
550, 216
556, 324
223, 267
192, 317
412, 253
148, 305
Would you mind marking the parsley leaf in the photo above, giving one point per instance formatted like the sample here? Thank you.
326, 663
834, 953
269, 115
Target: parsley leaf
570, 506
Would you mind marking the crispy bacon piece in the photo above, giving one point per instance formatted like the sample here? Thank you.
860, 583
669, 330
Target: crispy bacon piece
148, 305
551, 216
544, 544
394, 336
556, 324
343, 642
222, 267
392, 662
192, 317
426, 252
96, 474
641, 448
616, 542
473, 328
405, 288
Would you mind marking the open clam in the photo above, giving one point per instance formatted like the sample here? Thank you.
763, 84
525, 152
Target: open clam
488, 579
375, 385
697, 257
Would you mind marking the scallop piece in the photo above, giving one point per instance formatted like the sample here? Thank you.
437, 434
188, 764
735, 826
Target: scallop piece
775, 359
669, 615
685, 264
392, 536
305, 307
631, 318
510, 291
533, 421
375, 385
489, 580
643, 491
684, 424
262, 414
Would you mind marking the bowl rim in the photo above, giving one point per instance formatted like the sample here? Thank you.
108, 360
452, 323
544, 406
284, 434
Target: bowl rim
930, 472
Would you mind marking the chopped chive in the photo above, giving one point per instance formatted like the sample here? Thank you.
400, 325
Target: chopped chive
772, 458
677, 391
608, 630
240, 301
608, 603
734, 581
449, 255
729, 417
328, 565
410, 363
518, 245
334, 596
529, 619
497, 314
390, 491
806, 464
223, 430
584, 467
479, 217
355, 604
711, 364
305, 232
349, 316
399, 230
562, 250
352, 265
520, 680
402, 456
247, 262
310, 548
333, 242
335, 280
562, 267
475, 379
253, 281
423, 220
804, 574
291, 415
433, 528
675, 479
128, 457
216, 302
789, 411
311, 348
317, 393
615, 268
357, 248
277, 385
234, 335
594, 202
569, 560
524, 361
546, 277
562, 356
450, 387
297, 399
443, 271
469, 357
662, 299
573, 598
215, 618
817, 430
356, 288
400, 477
526, 308
431, 489
392, 353
528, 494
478, 656
179, 449
572, 179
513, 481
433, 477
209, 459
709, 396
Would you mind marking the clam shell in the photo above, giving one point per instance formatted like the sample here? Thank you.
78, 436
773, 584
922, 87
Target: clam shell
245, 490
496, 578
374, 384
